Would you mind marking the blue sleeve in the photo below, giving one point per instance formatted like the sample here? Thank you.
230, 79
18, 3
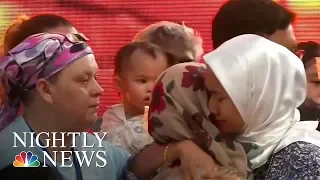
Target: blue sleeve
120, 159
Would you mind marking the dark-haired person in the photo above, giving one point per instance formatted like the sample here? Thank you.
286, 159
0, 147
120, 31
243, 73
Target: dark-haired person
137, 66
261, 17
309, 52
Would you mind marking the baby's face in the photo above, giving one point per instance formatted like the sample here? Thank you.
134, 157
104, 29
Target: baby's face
142, 72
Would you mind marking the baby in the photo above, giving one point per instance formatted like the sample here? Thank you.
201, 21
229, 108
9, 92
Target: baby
137, 66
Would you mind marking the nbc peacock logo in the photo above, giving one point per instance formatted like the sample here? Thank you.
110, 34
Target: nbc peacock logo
26, 160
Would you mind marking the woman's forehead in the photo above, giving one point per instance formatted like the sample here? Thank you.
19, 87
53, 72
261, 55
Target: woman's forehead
85, 65
211, 80
63, 30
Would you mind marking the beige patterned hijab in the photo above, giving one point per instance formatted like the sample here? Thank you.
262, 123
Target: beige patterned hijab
179, 111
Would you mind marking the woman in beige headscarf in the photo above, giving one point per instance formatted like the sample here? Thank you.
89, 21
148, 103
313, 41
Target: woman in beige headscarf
179, 111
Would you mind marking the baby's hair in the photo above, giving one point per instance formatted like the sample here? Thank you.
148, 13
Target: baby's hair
123, 56
307, 51
181, 43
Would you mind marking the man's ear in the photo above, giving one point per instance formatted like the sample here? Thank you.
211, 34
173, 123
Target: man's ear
45, 90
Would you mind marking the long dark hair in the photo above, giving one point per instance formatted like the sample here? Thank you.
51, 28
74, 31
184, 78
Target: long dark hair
238, 17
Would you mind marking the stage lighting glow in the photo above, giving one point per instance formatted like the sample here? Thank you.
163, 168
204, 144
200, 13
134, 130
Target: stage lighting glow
305, 5
7, 11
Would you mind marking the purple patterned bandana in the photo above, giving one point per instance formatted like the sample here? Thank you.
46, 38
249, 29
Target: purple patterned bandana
39, 56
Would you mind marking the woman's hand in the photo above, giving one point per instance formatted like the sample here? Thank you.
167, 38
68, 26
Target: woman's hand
195, 163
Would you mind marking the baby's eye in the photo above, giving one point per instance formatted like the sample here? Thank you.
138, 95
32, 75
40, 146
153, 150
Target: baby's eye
142, 81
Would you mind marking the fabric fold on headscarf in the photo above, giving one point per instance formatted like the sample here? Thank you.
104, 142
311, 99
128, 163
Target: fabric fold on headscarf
267, 83
179, 111
39, 56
